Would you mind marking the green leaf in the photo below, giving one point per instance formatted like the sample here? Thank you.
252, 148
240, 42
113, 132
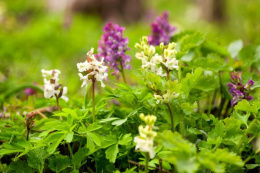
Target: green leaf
59, 163
211, 62
111, 153
58, 137
95, 138
190, 81
215, 136
108, 141
119, 122
155, 81
108, 119
193, 40
93, 127
79, 156
69, 137
36, 158
212, 47
125, 140
248, 55
245, 106
90, 143
71, 112
225, 156
188, 108
235, 47
252, 166
22, 166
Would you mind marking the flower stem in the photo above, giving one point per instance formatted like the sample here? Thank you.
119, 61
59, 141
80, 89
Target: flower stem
146, 162
122, 71
93, 100
58, 104
172, 124
70, 150
28, 133
168, 74
179, 73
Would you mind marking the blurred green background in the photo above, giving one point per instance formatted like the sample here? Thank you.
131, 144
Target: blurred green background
46, 34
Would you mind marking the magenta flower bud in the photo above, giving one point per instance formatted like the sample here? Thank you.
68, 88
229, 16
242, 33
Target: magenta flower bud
236, 77
29, 91
250, 83
249, 98
162, 31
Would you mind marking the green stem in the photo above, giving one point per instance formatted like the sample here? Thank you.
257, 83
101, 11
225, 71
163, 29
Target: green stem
93, 100
122, 71
168, 74
172, 123
209, 105
58, 104
146, 162
247, 159
28, 133
160, 166
238, 147
71, 153
221, 94
179, 73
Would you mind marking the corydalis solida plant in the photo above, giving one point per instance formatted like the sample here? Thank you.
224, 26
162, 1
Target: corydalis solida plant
52, 87
95, 71
162, 31
112, 47
238, 90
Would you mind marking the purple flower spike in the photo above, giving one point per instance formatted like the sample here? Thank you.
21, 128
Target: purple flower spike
112, 47
238, 90
162, 31
29, 91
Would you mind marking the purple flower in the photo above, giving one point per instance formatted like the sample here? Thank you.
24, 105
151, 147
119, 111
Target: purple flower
238, 90
113, 46
250, 83
162, 31
29, 91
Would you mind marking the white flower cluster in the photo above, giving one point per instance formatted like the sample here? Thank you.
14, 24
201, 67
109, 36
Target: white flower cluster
153, 62
166, 98
145, 140
95, 69
51, 86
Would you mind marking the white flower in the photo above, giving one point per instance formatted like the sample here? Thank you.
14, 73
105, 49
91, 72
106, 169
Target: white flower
158, 98
170, 61
145, 145
167, 97
51, 86
54, 74
171, 64
49, 90
145, 140
156, 59
94, 69
64, 93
